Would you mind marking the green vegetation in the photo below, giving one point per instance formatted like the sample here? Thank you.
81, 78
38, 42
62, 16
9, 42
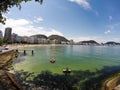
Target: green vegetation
39, 36
2, 41
5, 5
57, 37
112, 43
89, 42
77, 80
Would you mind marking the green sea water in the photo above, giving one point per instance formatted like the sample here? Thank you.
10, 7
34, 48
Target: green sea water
74, 57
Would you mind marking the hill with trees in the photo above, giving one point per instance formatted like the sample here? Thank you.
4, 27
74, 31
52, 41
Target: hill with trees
40, 36
90, 42
112, 43
57, 37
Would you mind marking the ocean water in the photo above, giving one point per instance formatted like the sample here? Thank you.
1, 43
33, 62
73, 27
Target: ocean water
74, 57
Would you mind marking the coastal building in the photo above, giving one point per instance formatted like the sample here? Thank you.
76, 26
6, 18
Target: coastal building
55, 41
14, 38
31, 40
35, 40
8, 34
18, 39
71, 42
24, 39
47, 41
1, 34
43, 41
64, 42
40, 41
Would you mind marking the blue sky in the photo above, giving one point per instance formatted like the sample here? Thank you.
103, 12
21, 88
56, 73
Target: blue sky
75, 19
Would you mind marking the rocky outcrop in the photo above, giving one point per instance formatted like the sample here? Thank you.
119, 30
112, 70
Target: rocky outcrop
6, 58
111, 84
7, 80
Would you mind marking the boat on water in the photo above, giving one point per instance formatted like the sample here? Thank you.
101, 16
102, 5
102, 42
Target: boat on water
66, 70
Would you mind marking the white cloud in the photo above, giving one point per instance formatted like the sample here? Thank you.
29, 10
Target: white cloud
38, 19
110, 18
83, 3
108, 31
25, 27
16, 22
86, 5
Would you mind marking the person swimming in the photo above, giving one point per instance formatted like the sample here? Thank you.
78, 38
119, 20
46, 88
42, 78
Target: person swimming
52, 60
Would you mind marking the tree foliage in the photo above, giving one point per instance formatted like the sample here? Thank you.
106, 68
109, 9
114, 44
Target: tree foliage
2, 41
5, 5
112, 43
57, 37
40, 36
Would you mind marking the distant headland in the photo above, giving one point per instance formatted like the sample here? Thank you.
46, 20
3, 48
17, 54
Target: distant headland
13, 38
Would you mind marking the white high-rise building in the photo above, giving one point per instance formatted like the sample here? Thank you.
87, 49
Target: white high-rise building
1, 34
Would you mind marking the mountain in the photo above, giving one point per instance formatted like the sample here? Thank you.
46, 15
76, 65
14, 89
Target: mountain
112, 43
57, 37
40, 36
90, 42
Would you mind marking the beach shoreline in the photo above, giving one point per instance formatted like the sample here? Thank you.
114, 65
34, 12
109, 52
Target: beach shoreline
18, 46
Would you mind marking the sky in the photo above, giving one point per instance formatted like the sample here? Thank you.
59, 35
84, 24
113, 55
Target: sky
74, 19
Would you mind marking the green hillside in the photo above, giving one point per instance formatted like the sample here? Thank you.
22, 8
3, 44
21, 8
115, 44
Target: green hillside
57, 37
40, 36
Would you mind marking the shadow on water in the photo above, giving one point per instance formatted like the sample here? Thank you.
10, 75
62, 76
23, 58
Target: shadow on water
19, 57
77, 80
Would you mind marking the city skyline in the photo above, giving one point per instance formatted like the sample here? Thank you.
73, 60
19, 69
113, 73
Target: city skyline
74, 19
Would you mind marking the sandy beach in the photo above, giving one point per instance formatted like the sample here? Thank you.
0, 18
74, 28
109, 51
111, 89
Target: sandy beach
18, 46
